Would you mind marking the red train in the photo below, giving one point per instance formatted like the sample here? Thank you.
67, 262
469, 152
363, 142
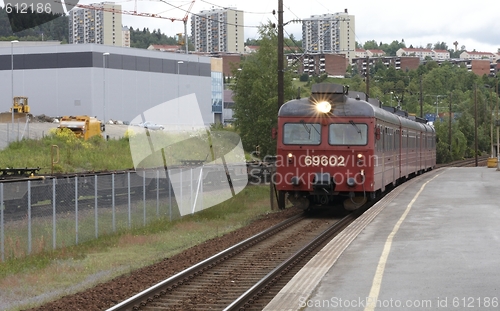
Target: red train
341, 145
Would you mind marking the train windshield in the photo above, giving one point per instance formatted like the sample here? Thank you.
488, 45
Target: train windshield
348, 134
302, 133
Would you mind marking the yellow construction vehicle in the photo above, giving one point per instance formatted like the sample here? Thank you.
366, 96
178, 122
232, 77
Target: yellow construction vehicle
83, 126
19, 110
20, 105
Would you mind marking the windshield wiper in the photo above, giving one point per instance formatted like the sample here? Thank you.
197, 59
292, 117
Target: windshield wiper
354, 124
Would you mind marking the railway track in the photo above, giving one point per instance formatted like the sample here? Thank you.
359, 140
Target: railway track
248, 275
236, 276
465, 163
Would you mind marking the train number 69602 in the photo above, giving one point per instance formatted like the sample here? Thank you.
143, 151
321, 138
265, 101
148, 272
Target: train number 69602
317, 160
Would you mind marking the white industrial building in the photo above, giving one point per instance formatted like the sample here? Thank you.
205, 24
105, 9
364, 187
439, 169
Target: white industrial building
104, 81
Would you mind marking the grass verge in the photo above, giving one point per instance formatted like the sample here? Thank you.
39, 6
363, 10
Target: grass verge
40, 278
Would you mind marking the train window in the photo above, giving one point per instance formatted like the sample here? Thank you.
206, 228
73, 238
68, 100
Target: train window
302, 133
396, 139
348, 134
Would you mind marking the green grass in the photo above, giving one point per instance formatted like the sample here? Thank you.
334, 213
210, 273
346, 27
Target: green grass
24, 276
76, 155
71, 155
126, 250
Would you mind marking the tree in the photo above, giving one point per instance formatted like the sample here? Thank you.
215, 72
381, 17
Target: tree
371, 45
256, 97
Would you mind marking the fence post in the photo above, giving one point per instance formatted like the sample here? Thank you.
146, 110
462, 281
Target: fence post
179, 206
2, 249
129, 204
200, 182
113, 200
29, 217
170, 196
144, 196
191, 188
76, 209
157, 193
54, 241
96, 211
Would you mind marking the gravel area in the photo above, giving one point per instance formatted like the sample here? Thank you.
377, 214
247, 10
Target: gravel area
105, 295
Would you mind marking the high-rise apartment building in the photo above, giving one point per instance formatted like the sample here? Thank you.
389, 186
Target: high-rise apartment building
329, 33
101, 26
125, 37
218, 30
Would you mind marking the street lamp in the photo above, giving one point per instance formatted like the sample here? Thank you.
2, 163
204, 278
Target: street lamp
178, 65
437, 103
12, 76
104, 89
491, 118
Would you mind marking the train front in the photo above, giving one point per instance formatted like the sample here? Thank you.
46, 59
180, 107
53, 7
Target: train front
323, 149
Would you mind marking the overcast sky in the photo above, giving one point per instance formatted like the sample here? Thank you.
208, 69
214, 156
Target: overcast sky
475, 25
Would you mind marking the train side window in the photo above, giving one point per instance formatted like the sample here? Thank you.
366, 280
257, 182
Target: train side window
378, 138
348, 134
396, 139
302, 133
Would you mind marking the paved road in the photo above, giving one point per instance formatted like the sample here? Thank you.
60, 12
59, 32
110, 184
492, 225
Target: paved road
38, 130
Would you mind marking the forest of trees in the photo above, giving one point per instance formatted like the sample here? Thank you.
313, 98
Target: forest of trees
441, 84
468, 93
58, 29
394, 46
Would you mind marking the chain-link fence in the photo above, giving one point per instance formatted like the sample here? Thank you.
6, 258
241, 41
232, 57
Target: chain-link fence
50, 213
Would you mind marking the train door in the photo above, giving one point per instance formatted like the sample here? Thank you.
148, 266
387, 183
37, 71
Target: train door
425, 151
411, 152
378, 162
418, 152
388, 155
397, 143
404, 152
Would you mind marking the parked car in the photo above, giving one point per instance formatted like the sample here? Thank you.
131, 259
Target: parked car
152, 126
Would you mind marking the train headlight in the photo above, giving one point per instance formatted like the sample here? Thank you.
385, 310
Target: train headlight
361, 159
351, 182
324, 107
290, 157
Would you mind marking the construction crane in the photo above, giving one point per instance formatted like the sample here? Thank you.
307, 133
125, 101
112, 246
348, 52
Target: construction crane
135, 13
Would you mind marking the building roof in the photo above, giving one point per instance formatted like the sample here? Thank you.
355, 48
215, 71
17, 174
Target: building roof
480, 53
416, 50
160, 47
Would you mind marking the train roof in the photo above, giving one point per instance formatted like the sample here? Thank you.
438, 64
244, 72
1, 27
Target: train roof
346, 103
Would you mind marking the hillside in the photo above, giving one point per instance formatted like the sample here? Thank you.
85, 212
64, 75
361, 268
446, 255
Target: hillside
58, 29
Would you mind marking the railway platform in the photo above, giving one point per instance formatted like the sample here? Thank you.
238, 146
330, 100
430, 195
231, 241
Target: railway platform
430, 244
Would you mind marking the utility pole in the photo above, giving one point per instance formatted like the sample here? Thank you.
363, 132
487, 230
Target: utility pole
449, 122
421, 99
281, 87
475, 124
491, 121
368, 76
497, 121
